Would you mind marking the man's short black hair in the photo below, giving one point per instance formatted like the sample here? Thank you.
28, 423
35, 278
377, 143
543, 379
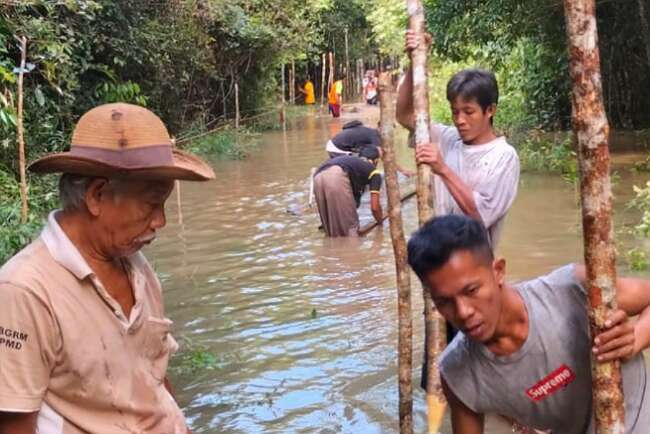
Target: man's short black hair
431, 246
476, 84
369, 152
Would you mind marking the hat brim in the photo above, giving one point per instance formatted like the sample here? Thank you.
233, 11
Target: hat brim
185, 167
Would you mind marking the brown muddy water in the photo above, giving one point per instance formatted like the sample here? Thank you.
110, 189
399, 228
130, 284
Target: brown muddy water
304, 329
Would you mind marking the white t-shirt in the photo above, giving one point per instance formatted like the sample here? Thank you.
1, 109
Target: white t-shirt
491, 170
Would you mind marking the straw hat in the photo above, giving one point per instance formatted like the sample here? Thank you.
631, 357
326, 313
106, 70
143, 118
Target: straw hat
126, 141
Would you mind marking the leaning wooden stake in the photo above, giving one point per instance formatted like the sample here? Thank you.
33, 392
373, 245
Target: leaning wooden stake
435, 330
405, 322
21, 135
592, 131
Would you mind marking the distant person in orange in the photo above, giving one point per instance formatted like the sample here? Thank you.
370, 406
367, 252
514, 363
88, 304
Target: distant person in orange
334, 97
308, 91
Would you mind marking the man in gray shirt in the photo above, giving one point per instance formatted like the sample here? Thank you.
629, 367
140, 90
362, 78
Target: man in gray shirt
524, 350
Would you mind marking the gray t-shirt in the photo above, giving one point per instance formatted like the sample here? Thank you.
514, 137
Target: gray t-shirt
546, 384
491, 170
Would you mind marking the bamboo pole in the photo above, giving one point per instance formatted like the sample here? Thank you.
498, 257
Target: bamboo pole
373, 224
21, 134
405, 322
237, 118
435, 328
592, 131
322, 82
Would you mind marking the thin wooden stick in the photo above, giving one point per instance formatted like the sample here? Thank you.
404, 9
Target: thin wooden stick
322, 82
592, 131
435, 328
405, 321
237, 119
370, 226
21, 135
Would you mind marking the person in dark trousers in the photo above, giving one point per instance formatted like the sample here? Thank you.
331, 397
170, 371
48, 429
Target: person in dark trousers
524, 350
338, 186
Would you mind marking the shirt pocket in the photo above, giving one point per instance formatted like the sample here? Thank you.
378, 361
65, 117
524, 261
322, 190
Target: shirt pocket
157, 346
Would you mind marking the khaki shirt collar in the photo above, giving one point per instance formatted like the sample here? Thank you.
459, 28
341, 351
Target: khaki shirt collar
63, 250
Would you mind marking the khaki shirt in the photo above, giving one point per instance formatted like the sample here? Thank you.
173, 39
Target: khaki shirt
68, 351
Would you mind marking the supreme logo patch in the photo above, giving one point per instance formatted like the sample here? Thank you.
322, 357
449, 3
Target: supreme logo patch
561, 377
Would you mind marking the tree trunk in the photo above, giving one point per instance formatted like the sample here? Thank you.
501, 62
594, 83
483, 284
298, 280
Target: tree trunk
405, 323
292, 83
592, 131
322, 82
348, 76
21, 133
283, 117
645, 30
330, 80
435, 328
237, 119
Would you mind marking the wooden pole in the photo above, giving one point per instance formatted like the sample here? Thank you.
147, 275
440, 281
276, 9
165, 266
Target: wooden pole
373, 224
405, 321
292, 83
435, 328
21, 134
348, 76
237, 105
330, 80
322, 82
592, 131
283, 117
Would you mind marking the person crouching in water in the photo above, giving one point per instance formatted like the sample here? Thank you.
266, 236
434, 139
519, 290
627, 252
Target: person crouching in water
338, 186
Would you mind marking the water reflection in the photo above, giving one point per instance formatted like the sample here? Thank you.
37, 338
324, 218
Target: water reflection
304, 328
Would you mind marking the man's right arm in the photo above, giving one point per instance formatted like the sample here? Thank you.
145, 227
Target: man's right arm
463, 419
18, 423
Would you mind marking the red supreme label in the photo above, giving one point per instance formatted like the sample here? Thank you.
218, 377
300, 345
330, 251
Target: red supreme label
547, 386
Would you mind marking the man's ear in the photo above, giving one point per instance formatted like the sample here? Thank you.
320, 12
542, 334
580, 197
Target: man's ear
491, 110
95, 193
499, 270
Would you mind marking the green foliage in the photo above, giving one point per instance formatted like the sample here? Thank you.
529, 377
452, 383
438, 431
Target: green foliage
539, 152
229, 143
637, 259
641, 202
14, 235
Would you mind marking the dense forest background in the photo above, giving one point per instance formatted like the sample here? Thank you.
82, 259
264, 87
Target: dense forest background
181, 58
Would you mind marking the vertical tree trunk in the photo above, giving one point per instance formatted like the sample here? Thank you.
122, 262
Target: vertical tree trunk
330, 80
645, 29
237, 119
435, 333
405, 323
292, 83
21, 136
360, 76
592, 131
322, 82
283, 119
348, 76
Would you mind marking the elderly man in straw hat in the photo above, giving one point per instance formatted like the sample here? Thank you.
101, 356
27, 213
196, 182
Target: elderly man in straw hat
84, 341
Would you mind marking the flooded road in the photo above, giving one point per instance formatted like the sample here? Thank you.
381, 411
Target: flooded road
304, 328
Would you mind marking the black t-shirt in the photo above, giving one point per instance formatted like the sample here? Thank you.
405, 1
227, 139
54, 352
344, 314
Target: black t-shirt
360, 171
355, 136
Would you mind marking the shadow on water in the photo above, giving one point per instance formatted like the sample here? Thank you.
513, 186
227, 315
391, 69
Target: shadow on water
304, 328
